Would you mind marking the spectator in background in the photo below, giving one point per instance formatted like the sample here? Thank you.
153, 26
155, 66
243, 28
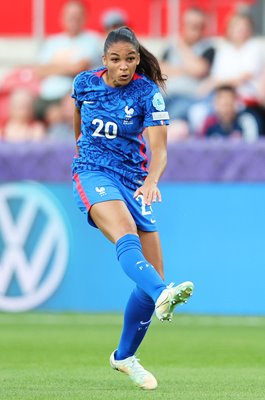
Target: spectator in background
227, 120
262, 88
261, 97
21, 125
186, 62
59, 119
112, 19
238, 62
65, 54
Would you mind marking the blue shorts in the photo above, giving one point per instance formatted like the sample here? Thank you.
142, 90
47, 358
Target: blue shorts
91, 187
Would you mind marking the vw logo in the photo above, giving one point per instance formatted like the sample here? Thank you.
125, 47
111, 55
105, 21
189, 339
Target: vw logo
34, 245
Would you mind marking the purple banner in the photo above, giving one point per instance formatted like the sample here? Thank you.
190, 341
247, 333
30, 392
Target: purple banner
188, 161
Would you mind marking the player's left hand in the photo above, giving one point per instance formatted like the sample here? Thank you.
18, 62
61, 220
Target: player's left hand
149, 191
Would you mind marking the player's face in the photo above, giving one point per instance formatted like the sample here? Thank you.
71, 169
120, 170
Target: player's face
121, 60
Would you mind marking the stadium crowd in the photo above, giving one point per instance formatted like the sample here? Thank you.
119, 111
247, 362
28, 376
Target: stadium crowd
215, 86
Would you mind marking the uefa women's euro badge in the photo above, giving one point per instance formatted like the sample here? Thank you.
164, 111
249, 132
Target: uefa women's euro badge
158, 102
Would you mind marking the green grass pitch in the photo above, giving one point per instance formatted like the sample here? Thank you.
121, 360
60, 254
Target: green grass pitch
65, 356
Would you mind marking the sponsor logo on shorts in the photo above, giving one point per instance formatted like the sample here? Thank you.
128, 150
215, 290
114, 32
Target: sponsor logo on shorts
100, 190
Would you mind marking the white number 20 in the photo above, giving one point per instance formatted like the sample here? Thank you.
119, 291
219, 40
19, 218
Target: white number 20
109, 130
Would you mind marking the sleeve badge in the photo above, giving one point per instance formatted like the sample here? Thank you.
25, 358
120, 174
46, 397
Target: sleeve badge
158, 102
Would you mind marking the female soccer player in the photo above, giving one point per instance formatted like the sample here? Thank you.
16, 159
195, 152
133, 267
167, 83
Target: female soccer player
113, 187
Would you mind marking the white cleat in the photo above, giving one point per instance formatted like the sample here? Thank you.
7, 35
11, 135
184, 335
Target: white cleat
170, 298
136, 372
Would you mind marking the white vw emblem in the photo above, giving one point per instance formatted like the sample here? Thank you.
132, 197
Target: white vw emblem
33, 246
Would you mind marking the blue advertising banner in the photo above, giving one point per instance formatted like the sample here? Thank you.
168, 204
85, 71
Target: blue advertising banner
51, 259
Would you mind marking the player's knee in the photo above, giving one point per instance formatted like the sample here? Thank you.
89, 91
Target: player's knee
120, 229
128, 229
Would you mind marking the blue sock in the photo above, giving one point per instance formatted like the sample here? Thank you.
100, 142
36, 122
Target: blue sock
130, 255
137, 318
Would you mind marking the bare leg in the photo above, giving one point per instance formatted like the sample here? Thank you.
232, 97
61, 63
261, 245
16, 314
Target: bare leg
113, 219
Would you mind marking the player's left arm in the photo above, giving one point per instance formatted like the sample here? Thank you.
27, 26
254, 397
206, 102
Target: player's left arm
157, 137
77, 123
77, 127
77, 109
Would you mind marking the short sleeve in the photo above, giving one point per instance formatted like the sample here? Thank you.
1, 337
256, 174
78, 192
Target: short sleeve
74, 93
155, 110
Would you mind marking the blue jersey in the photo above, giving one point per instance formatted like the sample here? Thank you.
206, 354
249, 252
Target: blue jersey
113, 120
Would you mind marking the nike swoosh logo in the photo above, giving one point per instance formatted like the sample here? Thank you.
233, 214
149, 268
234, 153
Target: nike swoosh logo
162, 303
145, 323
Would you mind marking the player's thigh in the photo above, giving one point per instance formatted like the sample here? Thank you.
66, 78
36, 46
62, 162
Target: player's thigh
113, 219
152, 250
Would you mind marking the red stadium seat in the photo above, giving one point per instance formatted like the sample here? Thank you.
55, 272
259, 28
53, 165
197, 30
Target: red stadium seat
20, 77
4, 98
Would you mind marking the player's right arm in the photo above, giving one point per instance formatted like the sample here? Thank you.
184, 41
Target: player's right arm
77, 125
77, 110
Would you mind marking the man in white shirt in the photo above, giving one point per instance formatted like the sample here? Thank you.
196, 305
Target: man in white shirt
66, 54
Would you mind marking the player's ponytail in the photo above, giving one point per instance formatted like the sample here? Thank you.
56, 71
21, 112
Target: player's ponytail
148, 65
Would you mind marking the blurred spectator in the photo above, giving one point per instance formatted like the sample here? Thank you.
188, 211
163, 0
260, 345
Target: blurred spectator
59, 119
177, 130
262, 90
186, 62
21, 125
112, 19
18, 77
66, 54
238, 62
227, 120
